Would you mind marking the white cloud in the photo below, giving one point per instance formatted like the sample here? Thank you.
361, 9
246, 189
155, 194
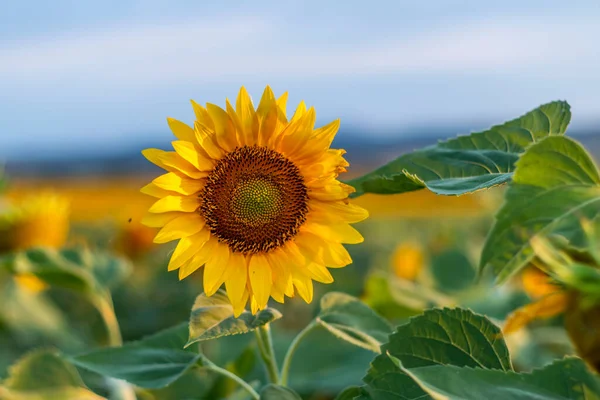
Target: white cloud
208, 50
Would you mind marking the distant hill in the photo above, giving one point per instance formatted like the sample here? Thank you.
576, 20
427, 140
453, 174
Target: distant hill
364, 152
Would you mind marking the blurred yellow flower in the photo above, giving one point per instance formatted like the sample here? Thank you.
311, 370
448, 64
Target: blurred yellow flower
408, 260
536, 283
254, 198
36, 220
30, 283
134, 239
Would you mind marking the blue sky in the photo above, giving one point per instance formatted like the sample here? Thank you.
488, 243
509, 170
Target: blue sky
93, 76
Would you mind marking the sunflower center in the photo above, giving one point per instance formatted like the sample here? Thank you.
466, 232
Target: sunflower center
254, 200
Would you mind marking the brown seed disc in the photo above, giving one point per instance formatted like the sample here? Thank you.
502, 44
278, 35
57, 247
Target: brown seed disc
254, 200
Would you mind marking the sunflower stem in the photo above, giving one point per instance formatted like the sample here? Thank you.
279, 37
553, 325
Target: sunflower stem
215, 368
267, 353
104, 305
119, 389
287, 362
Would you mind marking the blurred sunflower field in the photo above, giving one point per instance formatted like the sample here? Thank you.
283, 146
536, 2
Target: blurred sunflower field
478, 276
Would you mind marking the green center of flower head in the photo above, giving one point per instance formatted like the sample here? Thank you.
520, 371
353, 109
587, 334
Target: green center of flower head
254, 200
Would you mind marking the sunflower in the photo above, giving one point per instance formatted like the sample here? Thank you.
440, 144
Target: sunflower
408, 260
40, 219
254, 199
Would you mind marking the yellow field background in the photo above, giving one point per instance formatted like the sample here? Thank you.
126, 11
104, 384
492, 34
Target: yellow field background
95, 199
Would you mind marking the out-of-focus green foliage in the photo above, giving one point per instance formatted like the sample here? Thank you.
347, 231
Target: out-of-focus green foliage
44, 375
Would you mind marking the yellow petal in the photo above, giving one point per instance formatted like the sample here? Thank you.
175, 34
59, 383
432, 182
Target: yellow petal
237, 276
214, 269
319, 142
202, 116
546, 307
187, 248
184, 226
330, 190
330, 254
336, 211
268, 125
175, 203
537, 283
266, 102
277, 294
329, 164
319, 273
181, 130
194, 155
224, 128
188, 268
282, 104
304, 286
261, 279
299, 113
247, 116
160, 220
253, 305
267, 114
152, 190
239, 128
239, 306
282, 121
204, 250
206, 138
280, 264
172, 162
342, 233
176, 183
296, 134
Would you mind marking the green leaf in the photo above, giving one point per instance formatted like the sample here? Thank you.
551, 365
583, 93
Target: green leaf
344, 364
349, 393
438, 336
555, 189
75, 269
212, 317
467, 163
44, 375
564, 379
351, 320
276, 392
153, 362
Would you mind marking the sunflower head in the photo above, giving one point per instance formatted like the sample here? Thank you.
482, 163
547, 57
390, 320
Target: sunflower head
408, 260
536, 283
254, 199
36, 220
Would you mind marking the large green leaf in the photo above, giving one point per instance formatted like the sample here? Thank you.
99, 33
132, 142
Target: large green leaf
153, 362
276, 392
322, 363
439, 336
44, 375
565, 379
75, 269
212, 317
555, 189
467, 163
351, 320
